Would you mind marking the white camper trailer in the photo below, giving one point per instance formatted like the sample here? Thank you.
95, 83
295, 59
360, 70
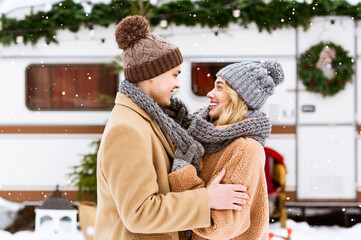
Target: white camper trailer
322, 147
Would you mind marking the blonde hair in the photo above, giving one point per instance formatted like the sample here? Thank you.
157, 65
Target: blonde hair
234, 108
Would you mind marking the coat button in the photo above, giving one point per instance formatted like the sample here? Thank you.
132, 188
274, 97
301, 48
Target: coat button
189, 234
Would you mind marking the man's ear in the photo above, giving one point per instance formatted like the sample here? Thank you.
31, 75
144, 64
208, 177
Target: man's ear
143, 83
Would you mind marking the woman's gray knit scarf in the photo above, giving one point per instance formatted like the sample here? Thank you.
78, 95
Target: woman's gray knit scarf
178, 135
257, 126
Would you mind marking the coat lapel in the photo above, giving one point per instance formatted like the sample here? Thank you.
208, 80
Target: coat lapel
124, 100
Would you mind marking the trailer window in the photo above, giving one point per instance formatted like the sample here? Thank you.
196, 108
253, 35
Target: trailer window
204, 75
70, 87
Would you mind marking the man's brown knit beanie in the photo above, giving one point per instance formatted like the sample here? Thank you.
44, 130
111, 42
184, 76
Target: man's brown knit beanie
145, 55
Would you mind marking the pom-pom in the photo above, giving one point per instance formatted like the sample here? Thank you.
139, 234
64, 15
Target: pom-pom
275, 70
130, 30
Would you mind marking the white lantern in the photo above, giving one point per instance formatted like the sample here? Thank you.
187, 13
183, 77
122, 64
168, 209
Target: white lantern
56, 219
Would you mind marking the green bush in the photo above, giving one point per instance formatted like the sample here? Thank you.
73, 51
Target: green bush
84, 175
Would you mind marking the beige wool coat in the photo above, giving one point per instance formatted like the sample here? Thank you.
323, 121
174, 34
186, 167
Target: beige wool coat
134, 198
243, 160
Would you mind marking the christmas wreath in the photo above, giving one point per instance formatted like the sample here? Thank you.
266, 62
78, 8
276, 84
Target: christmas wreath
325, 68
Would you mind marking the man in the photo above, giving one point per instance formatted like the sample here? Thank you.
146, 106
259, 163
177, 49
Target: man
137, 148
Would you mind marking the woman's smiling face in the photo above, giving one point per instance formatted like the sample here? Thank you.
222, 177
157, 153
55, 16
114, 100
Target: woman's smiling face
217, 96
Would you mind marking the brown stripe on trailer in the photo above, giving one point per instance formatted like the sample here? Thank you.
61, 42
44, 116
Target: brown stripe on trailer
38, 195
283, 129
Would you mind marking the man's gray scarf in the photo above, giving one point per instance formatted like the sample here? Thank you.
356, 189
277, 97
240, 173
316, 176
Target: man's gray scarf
257, 126
178, 135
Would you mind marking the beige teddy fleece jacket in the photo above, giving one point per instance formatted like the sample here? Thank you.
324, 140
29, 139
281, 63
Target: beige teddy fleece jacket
243, 160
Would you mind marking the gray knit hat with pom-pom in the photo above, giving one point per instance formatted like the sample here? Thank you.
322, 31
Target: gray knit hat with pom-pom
254, 82
145, 55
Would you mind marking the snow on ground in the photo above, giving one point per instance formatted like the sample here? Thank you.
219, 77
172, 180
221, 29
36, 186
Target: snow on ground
303, 231
8, 212
300, 231
29, 235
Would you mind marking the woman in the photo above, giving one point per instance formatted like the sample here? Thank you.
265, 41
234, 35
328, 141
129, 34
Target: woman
232, 131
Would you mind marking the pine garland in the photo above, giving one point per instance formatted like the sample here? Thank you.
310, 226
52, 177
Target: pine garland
211, 13
64, 15
313, 78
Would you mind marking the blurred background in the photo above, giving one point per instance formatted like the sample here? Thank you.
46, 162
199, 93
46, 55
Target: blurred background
60, 69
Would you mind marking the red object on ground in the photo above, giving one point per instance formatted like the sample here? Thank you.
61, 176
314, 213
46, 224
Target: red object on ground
271, 235
270, 153
289, 231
